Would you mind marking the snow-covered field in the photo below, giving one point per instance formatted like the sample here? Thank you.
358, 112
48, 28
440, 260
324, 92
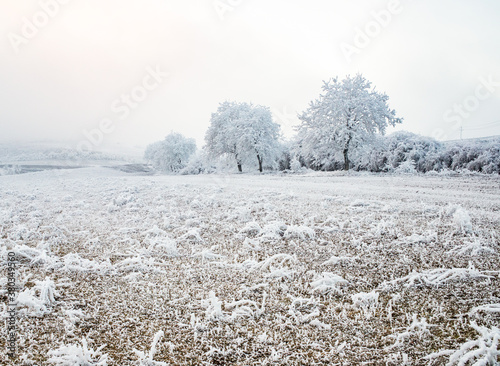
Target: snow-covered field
323, 268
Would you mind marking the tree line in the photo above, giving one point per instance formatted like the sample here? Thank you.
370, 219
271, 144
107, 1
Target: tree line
344, 128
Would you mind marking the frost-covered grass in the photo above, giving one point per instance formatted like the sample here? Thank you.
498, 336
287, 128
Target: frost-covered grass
322, 268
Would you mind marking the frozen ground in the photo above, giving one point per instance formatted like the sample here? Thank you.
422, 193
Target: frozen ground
325, 268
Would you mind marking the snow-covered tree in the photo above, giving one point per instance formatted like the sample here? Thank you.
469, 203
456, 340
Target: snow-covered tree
481, 155
401, 147
259, 134
220, 136
171, 154
243, 130
344, 118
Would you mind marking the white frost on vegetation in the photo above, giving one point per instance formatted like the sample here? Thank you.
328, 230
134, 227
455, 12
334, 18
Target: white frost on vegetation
461, 218
278, 263
72, 262
473, 248
334, 260
245, 308
208, 255
488, 308
146, 359
251, 229
78, 355
419, 328
287, 257
299, 232
193, 236
36, 256
482, 351
366, 301
328, 283
436, 277
213, 308
38, 300
273, 230
162, 246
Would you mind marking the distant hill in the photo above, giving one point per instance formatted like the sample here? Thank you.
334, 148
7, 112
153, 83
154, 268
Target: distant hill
62, 154
476, 139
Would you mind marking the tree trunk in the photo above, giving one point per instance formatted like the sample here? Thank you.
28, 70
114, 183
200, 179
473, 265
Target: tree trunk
260, 162
238, 162
346, 159
346, 154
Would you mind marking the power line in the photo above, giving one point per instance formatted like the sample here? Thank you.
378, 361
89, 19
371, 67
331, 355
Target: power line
488, 125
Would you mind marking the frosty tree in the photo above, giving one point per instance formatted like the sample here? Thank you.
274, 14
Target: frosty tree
342, 119
171, 154
259, 134
221, 135
243, 130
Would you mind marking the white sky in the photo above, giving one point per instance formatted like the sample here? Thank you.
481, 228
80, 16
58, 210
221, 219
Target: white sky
66, 78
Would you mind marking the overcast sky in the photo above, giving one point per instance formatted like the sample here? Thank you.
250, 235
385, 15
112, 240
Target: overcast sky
137, 70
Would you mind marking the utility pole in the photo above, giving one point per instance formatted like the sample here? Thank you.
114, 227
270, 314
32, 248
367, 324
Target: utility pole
461, 129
